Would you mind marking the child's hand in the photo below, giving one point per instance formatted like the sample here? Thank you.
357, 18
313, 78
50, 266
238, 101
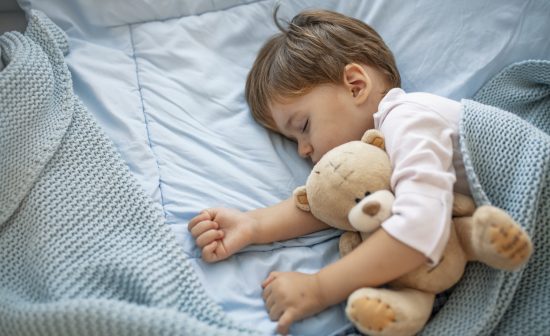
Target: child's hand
221, 232
291, 296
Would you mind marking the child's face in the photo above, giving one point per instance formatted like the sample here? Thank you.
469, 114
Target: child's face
325, 117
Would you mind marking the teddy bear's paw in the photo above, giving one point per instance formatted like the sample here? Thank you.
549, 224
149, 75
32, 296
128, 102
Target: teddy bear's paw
501, 242
379, 311
371, 313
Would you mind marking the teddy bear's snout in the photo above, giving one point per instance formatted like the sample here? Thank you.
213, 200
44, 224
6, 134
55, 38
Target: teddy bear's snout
371, 211
371, 208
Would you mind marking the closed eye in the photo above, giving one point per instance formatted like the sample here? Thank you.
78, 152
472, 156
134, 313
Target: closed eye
305, 126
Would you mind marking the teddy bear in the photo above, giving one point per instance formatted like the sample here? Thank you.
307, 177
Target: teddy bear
349, 189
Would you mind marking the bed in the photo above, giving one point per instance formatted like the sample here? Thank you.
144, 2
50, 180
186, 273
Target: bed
165, 82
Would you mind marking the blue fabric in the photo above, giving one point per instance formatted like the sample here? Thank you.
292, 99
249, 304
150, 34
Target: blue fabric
505, 140
83, 251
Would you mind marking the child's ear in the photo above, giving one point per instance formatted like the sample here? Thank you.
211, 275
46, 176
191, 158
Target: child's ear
358, 82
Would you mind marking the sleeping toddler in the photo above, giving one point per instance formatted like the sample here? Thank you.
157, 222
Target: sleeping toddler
322, 82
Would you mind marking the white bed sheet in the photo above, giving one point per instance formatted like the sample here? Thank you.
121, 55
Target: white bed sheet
165, 79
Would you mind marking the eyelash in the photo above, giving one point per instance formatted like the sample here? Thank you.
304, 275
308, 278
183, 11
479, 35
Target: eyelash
305, 126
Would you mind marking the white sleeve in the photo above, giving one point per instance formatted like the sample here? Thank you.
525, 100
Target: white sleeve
419, 143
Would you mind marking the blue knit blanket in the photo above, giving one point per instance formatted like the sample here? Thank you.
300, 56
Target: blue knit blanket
505, 140
83, 251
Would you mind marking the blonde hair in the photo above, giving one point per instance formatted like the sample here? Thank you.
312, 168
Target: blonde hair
313, 50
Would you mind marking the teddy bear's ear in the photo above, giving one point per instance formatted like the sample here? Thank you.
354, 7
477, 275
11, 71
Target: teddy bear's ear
374, 137
300, 198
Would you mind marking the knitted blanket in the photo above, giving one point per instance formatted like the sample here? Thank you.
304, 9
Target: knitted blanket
83, 251
507, 157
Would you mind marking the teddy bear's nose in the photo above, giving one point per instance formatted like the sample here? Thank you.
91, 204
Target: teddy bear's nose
371, 208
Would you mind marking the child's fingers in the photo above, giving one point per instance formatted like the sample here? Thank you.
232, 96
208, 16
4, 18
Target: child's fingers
208, 236
285, 321
202, 227
269, 301
269, 279
275, 312
266, 293
208, 252
202, 216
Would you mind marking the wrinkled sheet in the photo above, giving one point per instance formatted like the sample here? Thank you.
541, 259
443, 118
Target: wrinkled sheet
165, 79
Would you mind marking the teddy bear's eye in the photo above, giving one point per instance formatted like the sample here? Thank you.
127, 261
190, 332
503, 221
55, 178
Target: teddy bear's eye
357, 200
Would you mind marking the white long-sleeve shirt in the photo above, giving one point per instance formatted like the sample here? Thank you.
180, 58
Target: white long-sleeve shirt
421, 134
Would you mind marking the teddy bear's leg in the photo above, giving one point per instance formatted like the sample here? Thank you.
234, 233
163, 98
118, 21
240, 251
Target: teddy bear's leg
348, 241
494, 238
380, 311
463, 205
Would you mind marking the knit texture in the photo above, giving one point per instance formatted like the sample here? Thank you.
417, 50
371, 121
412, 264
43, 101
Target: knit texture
505, 142
83, 251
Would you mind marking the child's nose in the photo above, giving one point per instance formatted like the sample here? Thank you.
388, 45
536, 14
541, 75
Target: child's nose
304, 149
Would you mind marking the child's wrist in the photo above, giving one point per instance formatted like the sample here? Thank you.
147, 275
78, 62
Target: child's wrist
255, 233
322, 292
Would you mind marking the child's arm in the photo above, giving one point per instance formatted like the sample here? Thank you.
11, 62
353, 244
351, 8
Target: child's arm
292, 296
284, 221
220, 232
